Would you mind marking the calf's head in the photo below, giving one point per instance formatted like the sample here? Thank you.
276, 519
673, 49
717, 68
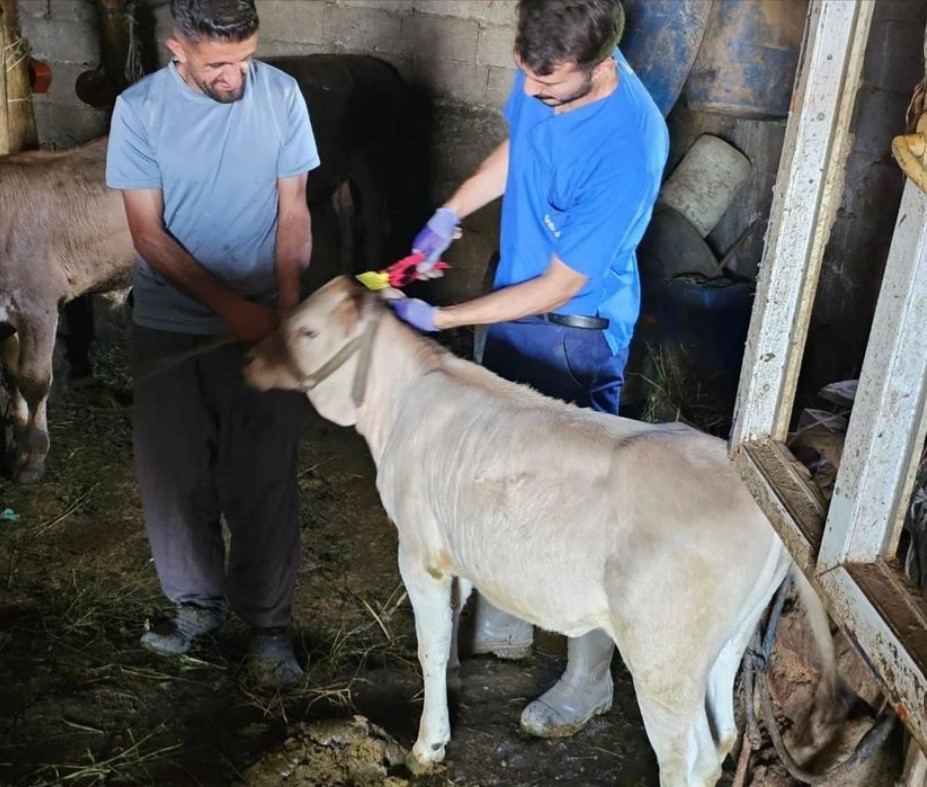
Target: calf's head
322, 349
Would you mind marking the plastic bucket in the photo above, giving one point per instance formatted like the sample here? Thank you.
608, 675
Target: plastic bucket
710, 318
704, 183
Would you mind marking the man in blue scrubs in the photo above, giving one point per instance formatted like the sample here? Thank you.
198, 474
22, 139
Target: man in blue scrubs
579, 175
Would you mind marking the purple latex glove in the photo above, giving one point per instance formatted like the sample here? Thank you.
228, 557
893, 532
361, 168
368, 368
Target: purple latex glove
435, 237
415, 312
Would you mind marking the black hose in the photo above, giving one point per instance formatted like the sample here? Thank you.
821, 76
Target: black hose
867, 746
754, 663
870, 743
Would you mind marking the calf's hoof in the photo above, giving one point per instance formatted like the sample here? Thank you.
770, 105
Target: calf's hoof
422, 759
29, 473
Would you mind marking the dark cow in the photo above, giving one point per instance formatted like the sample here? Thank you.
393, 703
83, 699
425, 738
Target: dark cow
360, 108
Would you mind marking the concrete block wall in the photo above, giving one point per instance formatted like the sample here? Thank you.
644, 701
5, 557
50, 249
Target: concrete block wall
459, 50
64, 34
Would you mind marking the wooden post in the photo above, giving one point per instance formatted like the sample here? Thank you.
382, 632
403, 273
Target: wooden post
4, 120
915, 766
114, 40
20, 118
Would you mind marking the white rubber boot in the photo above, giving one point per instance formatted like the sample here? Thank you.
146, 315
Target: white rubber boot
498, 632
583, 691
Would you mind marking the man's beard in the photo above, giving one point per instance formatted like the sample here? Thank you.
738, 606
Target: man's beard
223, 97
553, 101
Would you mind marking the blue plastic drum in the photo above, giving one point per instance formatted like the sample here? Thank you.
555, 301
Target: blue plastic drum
748, 58
661, 40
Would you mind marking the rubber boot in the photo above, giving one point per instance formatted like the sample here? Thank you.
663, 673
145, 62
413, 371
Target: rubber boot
583, 691
176, 635
271, 660
498, 632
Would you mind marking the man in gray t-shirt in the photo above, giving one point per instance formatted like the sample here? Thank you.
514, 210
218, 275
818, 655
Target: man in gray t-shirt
212, 154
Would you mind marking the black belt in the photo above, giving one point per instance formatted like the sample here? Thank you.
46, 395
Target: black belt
577, 321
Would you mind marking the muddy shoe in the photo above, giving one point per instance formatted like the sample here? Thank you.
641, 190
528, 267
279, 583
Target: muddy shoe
567, 707
271, 662
176, 635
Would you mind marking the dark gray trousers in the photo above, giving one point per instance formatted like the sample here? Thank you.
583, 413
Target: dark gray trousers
206, 445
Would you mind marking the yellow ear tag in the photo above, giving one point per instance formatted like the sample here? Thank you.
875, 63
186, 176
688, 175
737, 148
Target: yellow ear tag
374, 280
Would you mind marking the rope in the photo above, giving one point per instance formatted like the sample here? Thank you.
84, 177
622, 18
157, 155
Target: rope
16, 52
133, 70
754, 662
916, 107
759, 664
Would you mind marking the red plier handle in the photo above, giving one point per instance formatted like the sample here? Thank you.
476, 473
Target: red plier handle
406, 271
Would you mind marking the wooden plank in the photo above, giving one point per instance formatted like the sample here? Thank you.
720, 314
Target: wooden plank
842, 555
785, 492
808, 193
20, 116
915, 766
882, 614
4, 120
888, 622
887, 425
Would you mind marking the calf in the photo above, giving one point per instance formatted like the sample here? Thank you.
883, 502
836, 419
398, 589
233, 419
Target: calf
570, 519
62, 234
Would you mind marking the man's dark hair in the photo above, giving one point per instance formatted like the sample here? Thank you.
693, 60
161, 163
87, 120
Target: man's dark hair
222, 20
583, 32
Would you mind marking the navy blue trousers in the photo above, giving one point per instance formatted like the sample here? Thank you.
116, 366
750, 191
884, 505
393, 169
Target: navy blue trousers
571, 364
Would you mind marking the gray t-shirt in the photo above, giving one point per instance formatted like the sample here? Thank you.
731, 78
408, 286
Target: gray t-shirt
217, 166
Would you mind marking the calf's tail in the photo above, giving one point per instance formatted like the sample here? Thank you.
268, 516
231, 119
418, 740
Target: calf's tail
826, 693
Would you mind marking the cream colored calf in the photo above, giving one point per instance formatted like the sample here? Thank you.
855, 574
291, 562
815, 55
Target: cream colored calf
570, 519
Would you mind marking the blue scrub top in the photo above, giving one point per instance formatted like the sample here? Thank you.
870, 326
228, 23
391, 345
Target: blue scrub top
582, 185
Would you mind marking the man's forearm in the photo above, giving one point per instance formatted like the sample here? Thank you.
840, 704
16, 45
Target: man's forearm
294, 250
548, 292
485, 185
510, 303
169, 258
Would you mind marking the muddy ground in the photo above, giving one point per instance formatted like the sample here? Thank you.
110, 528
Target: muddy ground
82, 703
